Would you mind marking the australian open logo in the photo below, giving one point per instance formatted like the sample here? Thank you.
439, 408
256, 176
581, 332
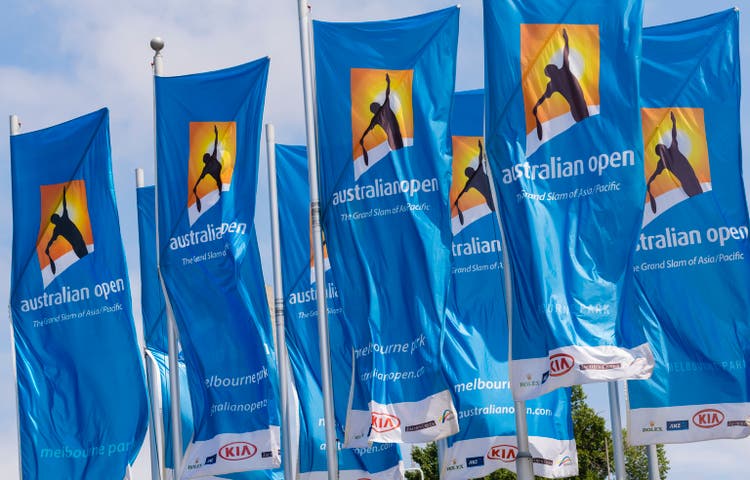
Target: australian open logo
382, 115
676, 158
382, 126
560, 78
65, 235
213, 148
471, 192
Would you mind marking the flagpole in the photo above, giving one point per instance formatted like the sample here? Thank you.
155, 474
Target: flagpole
278, 311
312, 161
653, 462
153, 440
618, 450
524, 467
157, 44
15, 129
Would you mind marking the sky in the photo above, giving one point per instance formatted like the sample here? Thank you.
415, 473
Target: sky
64, 58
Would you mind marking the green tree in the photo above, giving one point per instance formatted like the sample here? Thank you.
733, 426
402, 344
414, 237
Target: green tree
591, 434
636, 461
427, 458
593, 442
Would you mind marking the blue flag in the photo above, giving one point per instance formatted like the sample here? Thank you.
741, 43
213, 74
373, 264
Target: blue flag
475, 351
382, 461
692, 263
384, 94
155, 334
564, 144
208, 134
82, 406
153, 310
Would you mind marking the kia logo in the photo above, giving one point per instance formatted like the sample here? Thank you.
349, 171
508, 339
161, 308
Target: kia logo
382, 422
504, 453
560, 364
708, 418
237, 451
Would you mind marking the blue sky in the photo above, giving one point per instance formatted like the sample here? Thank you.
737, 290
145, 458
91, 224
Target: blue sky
64, 58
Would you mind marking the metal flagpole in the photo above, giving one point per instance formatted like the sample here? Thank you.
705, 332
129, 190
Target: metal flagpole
154, 442
524, 467
312, 161
278, 293
618, 450
15, 129
157, 44
653, 462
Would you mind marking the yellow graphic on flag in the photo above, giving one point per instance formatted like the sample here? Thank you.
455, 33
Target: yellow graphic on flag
382, 114
675, 157
65, 234
471, 193
560, 78
213, 151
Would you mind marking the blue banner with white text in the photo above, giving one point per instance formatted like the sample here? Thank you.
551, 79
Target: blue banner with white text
692, 263
82, 402
208, 134
384, 93
475, 351
378, 462
564, 144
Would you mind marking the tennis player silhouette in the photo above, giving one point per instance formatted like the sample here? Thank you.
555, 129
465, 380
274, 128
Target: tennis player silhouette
563, 81
212, 167
671, 159
477, 179
64, 227
384, 117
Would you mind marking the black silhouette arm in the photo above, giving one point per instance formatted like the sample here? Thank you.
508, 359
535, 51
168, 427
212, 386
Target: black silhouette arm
659, 169
388, 87
481, 157
203, 174
674, 129
468, 184
55, 234
372, 124
547, 93
566, 51
216, 141
65, 204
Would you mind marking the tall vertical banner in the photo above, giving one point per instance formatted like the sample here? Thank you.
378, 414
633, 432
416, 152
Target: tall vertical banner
564, 143
475, 350
692, 263
384, 94
155, 335
153, 311
208, 134
378, 462
82, 401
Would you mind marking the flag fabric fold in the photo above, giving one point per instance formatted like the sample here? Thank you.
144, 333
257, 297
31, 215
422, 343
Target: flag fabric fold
564, 146
208, 139
82, 401
692, 264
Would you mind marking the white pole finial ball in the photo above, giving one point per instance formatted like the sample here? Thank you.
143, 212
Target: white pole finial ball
157, 44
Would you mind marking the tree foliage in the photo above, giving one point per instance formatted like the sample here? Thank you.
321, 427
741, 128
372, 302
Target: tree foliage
593, 441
